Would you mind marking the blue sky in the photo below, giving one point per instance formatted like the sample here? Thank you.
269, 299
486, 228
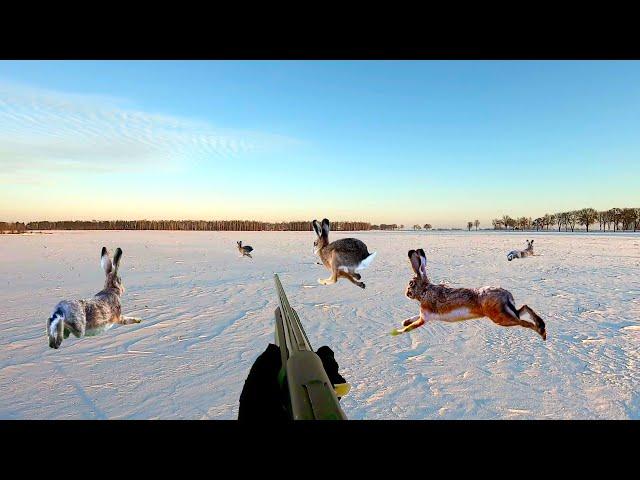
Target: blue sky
392, 142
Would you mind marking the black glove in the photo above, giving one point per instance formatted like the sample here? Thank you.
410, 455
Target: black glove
262, 398
330, 365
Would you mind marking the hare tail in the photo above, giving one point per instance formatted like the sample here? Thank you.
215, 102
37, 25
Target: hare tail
367, 261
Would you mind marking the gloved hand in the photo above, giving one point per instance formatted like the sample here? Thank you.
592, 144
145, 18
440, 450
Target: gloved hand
262, 397
330, 365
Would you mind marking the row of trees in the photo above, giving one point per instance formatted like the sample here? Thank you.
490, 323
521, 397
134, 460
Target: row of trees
200, 225
475, 223
426, 226
15, 227
618, 218
383, 226
506, 222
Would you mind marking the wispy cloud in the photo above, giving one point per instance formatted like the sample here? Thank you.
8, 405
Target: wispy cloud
44, 131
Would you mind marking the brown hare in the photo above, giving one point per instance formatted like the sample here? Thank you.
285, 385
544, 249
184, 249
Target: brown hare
446, 304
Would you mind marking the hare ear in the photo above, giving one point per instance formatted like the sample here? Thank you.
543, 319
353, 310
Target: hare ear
325, 227
423, 262
116, 258
105, 261
316, 227
415, 261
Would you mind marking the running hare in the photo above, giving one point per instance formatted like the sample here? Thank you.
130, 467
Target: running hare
244, 251
83, 316
446, 304
521, 253
342, 257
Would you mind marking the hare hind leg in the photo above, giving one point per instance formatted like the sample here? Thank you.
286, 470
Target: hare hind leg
505, 317
540, 326
351, 278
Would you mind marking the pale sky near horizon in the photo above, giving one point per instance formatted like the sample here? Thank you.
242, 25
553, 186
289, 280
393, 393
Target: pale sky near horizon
441, 142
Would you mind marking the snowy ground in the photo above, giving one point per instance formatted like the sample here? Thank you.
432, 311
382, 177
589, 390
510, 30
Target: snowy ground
207, 314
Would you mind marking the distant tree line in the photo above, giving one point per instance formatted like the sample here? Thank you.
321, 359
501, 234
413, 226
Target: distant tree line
15, 227
383, 226
198, 225
618, 218
426, 226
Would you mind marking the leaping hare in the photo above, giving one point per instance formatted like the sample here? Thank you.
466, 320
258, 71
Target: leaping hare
342, 257
83, 316
521, 253
439, 302
244, 251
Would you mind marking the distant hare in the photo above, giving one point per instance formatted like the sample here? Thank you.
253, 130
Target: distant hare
446, 304
244, 251
82, 316
342, 257
521, 253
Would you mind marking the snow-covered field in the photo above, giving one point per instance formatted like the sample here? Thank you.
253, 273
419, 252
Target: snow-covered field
207, 314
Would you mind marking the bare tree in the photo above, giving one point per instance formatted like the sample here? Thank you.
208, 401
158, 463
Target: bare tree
627, 217
602, 219
427, 226
538, 223
586, 217
549, 220
572, 219
561, 218
476, 223
417, 227
523, 223
469, 225
614, 217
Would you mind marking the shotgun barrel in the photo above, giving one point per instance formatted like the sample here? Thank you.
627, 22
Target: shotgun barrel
310, 392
